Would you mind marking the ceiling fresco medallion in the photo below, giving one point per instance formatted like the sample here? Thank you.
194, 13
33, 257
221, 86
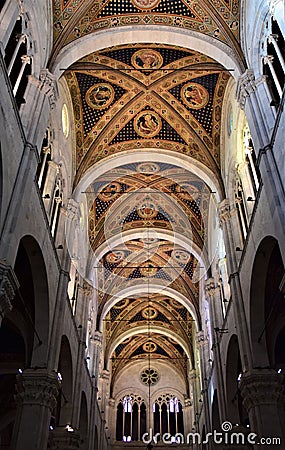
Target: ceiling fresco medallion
147, 124
187, 191
148, 168
194, 95
149, 313
149, 347
115, 256
100, 95
147, 59
147, 210
148, 270
110, 192
145, 4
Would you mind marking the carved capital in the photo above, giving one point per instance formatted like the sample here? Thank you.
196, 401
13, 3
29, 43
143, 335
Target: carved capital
37, 387
224, 211
49, 86
201, 339
8, 287
72, 209
261, 387
87, 289
245, 87
210, 287
97, 338
192, 376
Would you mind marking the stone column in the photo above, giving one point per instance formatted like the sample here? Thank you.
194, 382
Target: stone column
37, 390
8, 286
228, 224
188, 416
112, 414
263, 398
84, 294
202, 345
212, 294
95, 351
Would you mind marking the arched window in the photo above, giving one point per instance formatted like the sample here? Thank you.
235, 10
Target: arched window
250, 158
274, 59
18, 59
241, 208
131, 418
45, 156
168, 416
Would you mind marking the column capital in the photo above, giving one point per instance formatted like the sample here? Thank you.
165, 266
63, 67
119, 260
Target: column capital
8, 287
210, 287
192, 375
105, 375
49, 86
224, 211
245, 87
72, 209
87, 289
201, 339
261, 387
96, 338
37, 387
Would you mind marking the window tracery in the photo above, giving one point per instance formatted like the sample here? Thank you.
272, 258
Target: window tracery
168, 415
273, 53
131, 418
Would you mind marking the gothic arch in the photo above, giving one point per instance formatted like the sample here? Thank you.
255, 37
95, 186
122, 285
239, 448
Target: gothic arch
235, 411
83, 422
65, 398
266, 301
31, 272
142, 289
162, 34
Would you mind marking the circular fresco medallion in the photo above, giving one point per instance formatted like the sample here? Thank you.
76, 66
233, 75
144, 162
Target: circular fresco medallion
122, 304
147, 59
149, 347
148, 270
147, 210
181, 256
100, 95
145, 4
175, 304
194, 95
147, 168
187, 191
149, 313
115, 256
110, 192
147, 124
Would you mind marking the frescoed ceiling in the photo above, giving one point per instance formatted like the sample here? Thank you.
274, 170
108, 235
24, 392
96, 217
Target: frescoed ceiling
159, 311
131, 98
138, 96
73, 19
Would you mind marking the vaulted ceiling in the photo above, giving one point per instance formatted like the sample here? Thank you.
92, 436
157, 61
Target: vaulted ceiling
147, 221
